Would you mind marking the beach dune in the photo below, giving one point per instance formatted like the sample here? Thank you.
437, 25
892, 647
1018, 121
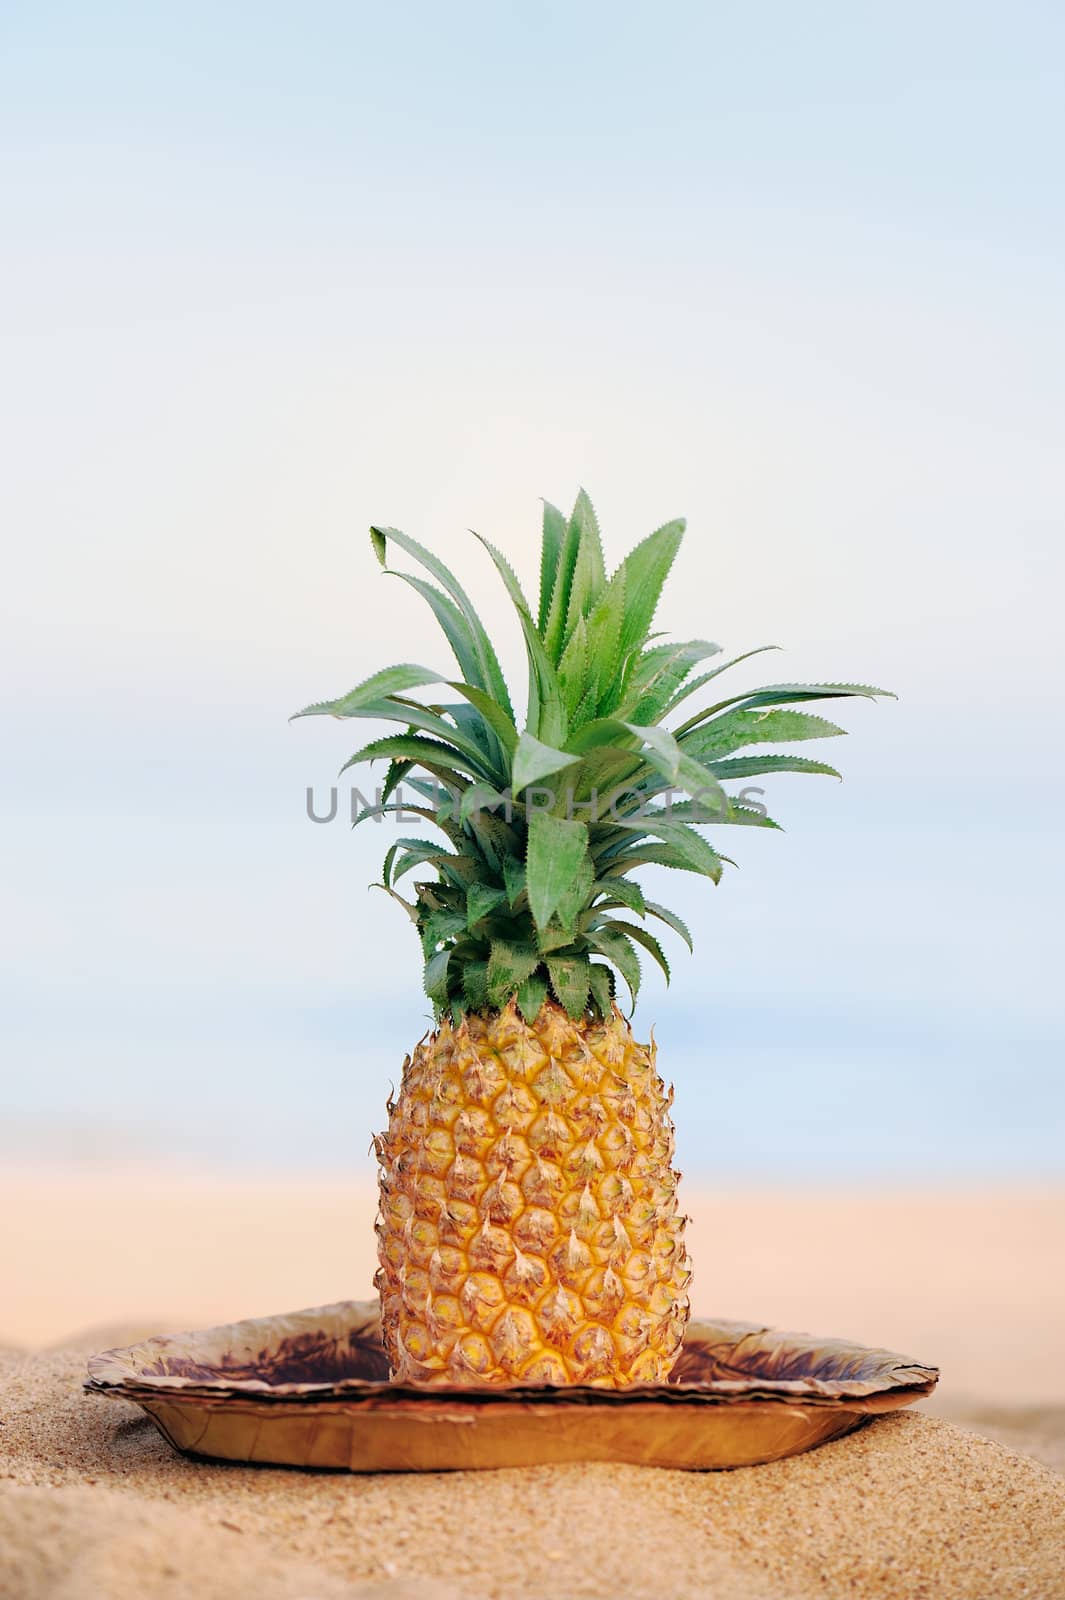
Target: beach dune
94, 1505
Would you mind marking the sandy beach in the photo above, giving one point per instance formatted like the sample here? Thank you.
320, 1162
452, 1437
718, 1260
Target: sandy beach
967, 1279
959, 1499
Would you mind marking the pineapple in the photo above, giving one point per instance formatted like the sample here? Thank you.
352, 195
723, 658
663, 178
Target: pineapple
529, 1229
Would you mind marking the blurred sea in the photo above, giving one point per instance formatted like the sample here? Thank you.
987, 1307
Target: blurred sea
205, 993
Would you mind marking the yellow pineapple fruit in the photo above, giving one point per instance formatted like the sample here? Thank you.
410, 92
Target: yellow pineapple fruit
528, 1228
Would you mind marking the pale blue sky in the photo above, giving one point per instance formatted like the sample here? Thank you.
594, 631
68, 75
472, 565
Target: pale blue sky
271, 273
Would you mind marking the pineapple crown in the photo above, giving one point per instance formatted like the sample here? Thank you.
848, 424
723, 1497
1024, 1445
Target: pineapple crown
532, 895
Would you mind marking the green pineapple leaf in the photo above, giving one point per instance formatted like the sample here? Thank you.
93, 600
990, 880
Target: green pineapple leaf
554, 536
441, 925
509, 965
427, 719
534, 761
671, 920
623, 891
403, 808
612, 943
760, 766
523, 902
571, 981
408, 906
480, 797
732, 814
494, 715
490, 672
673, 763
393, 680
506, 572
546, 708
556, 849
452, 623
397, 771
657, 674
415, 852
603, 733
474, 985
514, 878
574, 670
646, 569
589, 578
576, 894
665, 855
602, 987
481, 900
436, 974
777, 694
692, 846
429, 753
603, 633
531, 996
704, 678
737, 729
646, 938
553, 632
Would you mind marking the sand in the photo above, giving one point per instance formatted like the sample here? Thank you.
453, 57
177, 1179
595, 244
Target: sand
95, 1506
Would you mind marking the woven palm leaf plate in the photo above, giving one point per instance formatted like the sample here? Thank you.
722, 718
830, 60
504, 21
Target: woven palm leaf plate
312, 1389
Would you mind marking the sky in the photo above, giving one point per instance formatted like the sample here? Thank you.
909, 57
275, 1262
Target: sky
271, 274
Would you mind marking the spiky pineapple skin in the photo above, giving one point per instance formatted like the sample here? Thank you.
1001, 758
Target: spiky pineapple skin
529, 1229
